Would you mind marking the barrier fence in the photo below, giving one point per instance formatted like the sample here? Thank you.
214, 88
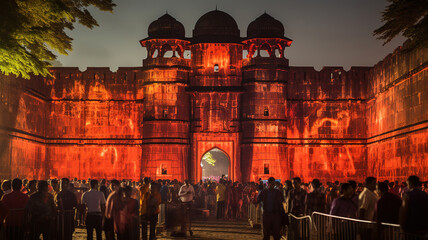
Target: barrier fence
18, 225
321, 226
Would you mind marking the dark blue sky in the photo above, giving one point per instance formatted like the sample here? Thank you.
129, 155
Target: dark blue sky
324, 32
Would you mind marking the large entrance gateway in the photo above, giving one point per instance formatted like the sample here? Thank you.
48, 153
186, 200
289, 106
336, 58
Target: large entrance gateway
215, 163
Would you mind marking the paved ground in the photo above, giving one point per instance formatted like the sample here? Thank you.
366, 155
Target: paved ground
207, 230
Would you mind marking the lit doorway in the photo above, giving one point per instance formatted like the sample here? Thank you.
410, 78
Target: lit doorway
215, 164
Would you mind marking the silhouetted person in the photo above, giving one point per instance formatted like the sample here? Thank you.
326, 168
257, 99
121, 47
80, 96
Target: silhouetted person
388, 206
297, 196
186, 194
95, 202
32, 187
315, 201
414, 209
272, 200
41, 212
343, 206
221, 198
111, 209
12, 211
66, 203
144, 198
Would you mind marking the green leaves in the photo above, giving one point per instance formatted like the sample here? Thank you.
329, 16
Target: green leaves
30, 29
406, 17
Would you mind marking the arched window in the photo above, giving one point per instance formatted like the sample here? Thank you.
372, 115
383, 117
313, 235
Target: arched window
167, 51
155, 53
265, 50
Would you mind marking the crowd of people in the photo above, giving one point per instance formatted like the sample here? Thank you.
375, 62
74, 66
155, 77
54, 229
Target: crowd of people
53, 208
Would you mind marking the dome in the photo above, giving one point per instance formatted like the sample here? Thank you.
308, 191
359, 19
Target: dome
265, 26
166, 27
216, 26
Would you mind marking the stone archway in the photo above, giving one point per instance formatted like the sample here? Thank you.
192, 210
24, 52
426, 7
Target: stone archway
215, 163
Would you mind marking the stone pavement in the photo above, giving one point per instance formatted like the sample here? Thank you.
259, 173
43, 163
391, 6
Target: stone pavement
207, 230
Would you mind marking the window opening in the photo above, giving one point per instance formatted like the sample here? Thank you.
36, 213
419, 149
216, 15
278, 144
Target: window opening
266, 168
216, 68
266, 112
164, 170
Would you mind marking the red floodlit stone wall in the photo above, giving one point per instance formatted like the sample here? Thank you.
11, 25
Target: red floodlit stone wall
264, 120
326, 127
165, 143
397, 115
94, 123
160, 119
22, 127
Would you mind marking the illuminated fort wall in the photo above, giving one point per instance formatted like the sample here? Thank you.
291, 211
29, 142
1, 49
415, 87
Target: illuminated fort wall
158, 120
397, 116
71, 125
326, 127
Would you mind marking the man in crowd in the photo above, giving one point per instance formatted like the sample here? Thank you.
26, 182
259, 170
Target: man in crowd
32, 187
272, 200
12, 211
315, 201
343, 206
144, 199
41, 209
366, 206
388, 206
6, 187
367, 200
66, 202
164, 192
414, 210
186, 194
221, 198
111, 212
95, 203
297, 196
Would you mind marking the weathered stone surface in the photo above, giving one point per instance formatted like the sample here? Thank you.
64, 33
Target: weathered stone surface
269, 118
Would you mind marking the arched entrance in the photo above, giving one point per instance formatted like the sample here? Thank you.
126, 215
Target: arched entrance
215, 163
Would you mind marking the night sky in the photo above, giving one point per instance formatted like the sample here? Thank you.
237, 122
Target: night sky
324, 32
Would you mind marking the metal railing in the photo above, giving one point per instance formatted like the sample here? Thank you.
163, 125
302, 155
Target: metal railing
19, 226
299, 227
327, 227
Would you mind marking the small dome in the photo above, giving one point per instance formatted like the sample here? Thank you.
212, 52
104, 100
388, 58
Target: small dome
265, 26
216, 26
166, 27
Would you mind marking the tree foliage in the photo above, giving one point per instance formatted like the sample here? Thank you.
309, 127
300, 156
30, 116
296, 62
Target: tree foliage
406, 17
31, 29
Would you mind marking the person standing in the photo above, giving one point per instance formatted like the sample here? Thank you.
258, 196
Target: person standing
366, 206
66, 203
367, 200
343, 206
221, 197
297, 198
164, 192
388, 206
144, 198
186, 194
95, 202
414, 209
41, 209
315, 201
272, 200
12, 213
110, 212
